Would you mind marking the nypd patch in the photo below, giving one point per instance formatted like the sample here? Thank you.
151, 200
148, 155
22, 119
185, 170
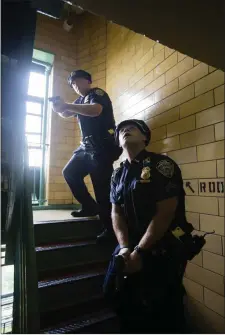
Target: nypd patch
166, 168
100, 92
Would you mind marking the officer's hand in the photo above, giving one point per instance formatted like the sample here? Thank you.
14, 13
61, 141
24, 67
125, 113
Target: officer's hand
134, 263
125, 252
59, 106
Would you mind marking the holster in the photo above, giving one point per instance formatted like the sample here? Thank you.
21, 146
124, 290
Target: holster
102, 145
187, 245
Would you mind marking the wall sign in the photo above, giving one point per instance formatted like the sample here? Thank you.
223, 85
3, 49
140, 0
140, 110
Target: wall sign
211, 187
191, 187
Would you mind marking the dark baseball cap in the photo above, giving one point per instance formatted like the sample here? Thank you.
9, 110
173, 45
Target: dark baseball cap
78, 74
141, 125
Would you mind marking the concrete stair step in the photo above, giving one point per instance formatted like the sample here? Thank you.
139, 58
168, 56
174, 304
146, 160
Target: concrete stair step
103, 322
67, 291
56, 316
68, 255
55, 231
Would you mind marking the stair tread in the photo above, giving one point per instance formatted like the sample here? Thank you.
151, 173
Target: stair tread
64, 245
69, 278
75, 220
76, 324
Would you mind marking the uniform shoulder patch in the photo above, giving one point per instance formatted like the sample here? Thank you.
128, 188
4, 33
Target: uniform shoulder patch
100, 92
166, 168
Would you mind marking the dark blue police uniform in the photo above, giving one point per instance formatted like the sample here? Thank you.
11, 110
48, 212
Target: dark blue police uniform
95, 156
151, 300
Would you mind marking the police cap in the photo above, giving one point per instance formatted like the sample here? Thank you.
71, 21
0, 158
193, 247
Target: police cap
141, 125
78, 74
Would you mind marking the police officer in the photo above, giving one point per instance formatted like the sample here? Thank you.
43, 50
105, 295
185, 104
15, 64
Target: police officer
148, 213
97, 152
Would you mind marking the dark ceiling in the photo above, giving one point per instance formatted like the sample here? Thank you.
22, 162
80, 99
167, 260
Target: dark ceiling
193, 27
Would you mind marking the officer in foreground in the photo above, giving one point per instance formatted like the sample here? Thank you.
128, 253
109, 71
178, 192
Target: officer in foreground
148, 215
97, 152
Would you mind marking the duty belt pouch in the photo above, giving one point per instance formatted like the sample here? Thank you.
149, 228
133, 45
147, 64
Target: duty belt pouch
190, 245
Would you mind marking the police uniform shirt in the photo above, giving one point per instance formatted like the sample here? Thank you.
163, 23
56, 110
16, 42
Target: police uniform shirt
139, 185
99, 125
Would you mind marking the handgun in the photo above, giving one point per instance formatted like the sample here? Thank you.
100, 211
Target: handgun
119, 265
54, 99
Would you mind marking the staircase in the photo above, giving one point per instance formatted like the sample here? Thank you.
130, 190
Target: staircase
71, 270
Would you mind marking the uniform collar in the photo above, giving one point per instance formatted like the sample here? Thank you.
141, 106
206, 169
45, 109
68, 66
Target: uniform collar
139, 158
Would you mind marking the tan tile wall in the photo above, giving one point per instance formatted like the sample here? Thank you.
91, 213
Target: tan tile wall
91, 54
182, 100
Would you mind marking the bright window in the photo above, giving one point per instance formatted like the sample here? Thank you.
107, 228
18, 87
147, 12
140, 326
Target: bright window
37, 85
33, 140
35, 157
34, 108
34, 114
33, 124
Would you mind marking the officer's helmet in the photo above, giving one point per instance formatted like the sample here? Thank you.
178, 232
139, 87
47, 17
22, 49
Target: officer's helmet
141, 125
78, 74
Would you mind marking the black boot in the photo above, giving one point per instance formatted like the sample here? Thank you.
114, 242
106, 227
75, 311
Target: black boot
81, 213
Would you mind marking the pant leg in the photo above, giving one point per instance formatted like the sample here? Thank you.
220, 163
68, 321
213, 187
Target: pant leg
165, 296
101, 173
74, 172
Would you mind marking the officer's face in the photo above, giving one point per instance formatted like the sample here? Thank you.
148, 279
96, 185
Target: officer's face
130, 134
81, 85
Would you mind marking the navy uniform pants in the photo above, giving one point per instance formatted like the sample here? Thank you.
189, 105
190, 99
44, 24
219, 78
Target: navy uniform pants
151, 301
100, 167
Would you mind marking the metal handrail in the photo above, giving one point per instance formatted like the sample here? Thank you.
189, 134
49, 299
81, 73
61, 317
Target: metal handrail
26, 310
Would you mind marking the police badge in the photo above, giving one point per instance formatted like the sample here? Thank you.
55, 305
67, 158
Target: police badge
166, 168
146, 173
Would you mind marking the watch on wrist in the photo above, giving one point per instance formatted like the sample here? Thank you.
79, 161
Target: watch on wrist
139, 250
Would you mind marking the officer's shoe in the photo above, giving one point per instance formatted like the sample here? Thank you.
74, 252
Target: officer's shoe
82, 213
106, 236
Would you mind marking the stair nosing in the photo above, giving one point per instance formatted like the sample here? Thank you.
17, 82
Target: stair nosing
75, 220
68, 279
105, 314
64, 246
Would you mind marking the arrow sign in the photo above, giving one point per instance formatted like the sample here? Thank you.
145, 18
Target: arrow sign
188, 184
